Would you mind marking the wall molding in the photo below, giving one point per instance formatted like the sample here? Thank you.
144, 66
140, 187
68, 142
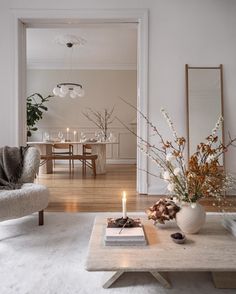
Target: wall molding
51, 64
108, 161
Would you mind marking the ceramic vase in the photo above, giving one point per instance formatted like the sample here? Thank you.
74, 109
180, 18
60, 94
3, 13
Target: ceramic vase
191, 218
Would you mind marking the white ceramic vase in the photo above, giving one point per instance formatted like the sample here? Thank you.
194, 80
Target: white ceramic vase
191, 218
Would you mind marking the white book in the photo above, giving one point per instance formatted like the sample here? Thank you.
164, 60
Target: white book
125, 243
135, 233
124, 239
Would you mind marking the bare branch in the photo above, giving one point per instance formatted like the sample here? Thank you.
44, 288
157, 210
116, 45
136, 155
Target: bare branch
154, 128
100, 119
89, 118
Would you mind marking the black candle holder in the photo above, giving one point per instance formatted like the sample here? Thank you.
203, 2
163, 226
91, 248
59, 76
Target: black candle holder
124, 222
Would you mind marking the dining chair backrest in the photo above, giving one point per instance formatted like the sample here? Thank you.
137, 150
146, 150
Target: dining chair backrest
62, 146
64, 149
87, 149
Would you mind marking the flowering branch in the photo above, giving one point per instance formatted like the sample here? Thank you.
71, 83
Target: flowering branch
204, 177
170, 123
154, 128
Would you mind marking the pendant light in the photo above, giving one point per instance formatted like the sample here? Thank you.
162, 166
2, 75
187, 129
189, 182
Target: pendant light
69, 88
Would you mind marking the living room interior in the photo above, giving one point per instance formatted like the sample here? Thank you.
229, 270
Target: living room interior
164, 72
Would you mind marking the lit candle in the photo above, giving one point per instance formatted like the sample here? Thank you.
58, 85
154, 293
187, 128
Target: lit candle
75, 135
67, 133
124, 204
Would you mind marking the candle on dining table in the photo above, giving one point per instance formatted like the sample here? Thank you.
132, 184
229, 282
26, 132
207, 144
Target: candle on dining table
67, 133
75, 135
124, 204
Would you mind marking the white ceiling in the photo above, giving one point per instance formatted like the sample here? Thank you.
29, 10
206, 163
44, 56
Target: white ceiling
108, 46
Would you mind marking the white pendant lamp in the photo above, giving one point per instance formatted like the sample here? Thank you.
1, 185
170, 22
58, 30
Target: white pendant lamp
64, 89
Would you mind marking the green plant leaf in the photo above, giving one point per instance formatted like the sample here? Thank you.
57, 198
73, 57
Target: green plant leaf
34, 109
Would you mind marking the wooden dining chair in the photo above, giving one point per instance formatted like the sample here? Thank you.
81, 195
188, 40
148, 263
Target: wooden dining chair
64, 149
86, 150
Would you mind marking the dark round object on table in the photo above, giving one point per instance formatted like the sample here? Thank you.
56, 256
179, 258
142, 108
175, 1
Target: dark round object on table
127, 222
178, 238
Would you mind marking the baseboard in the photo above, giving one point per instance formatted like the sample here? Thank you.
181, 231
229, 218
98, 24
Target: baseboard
161, 190
231, 193
121, 161
108, 161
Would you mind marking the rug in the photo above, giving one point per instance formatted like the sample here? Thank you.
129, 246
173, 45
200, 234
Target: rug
50, 259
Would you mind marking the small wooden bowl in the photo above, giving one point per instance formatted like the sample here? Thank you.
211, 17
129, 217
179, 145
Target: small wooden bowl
178, 238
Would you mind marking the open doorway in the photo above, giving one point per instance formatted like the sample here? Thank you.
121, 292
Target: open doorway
106, 67
105, 64
139, 17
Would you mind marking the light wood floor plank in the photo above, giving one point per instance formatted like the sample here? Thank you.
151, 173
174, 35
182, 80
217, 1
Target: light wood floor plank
73, 193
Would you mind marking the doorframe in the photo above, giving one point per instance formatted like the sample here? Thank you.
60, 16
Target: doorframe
24, 19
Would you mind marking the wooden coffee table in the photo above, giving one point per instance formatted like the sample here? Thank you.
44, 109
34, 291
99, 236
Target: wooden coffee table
212, 250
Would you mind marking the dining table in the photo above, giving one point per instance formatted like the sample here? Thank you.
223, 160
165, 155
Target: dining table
98, 148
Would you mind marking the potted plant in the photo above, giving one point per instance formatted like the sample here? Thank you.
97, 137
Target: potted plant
201, 177
35, 106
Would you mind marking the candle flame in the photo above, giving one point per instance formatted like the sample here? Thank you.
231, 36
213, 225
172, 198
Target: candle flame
74, 132
124, 195
67, 129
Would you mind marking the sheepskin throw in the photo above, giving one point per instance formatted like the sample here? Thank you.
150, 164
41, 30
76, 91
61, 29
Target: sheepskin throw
11, 165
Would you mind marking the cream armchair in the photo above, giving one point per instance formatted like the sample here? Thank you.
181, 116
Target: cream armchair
30, 197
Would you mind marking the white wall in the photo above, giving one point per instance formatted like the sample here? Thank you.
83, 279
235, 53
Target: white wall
197, 32
103, 89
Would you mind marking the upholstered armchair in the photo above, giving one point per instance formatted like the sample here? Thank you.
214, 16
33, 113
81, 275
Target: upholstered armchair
30, 197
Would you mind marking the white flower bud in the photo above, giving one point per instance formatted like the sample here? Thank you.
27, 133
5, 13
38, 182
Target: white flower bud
169, 157
177, 171
171, 187
210, 158
166, 176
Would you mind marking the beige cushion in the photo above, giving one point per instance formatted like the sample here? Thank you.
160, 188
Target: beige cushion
30, 197
21, 202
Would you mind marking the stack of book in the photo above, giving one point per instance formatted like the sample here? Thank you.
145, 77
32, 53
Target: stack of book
230, 224
126, 236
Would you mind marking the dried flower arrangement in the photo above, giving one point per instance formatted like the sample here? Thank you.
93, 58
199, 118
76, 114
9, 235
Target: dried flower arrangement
163, 210
202, 177
101, 119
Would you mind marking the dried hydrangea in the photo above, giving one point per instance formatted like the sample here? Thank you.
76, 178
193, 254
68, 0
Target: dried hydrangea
163, 210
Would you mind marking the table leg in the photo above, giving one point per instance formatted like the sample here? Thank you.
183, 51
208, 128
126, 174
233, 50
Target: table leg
46, 149
100, 150
224, 280
161, 278
112, 278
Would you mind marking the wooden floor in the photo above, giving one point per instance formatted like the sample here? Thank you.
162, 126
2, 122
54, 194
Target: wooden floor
73, 193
